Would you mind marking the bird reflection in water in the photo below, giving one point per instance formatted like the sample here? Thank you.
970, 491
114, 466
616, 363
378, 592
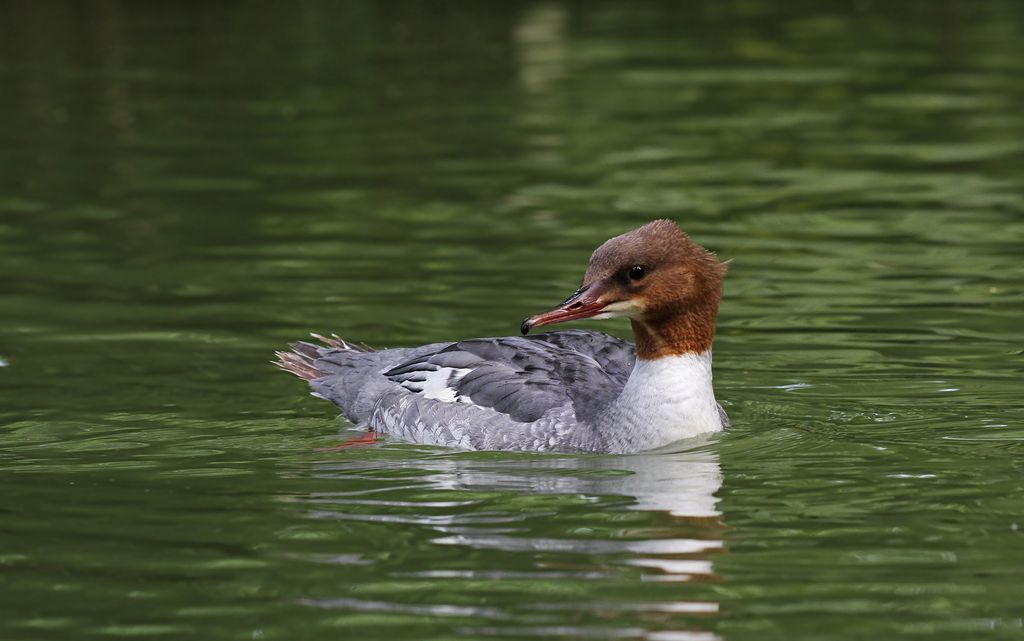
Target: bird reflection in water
602, 522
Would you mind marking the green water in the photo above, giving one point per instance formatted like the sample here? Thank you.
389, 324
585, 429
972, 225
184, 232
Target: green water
186, 187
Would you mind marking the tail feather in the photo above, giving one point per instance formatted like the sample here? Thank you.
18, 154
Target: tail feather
301, 360
339, 343
297, 364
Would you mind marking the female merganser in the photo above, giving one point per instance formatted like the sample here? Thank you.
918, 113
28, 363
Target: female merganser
572, 390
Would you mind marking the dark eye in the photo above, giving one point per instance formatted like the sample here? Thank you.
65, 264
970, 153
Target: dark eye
637, 272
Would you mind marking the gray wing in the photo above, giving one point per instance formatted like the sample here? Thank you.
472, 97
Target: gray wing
523, 378
615, 356
540, 392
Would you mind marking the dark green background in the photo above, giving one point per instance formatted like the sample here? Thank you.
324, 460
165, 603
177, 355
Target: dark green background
185, 187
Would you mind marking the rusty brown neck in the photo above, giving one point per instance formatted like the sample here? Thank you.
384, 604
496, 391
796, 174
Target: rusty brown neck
689, 331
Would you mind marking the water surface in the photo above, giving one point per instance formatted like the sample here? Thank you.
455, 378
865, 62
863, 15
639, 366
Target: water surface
185, 188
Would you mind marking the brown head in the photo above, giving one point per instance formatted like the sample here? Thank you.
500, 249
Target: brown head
666, 284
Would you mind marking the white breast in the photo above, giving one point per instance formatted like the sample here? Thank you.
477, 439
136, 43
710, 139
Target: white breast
664, 400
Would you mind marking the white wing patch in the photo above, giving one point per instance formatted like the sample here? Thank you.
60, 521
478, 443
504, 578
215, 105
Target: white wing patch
437, 384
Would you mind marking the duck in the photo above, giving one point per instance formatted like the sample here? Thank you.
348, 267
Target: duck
572, 390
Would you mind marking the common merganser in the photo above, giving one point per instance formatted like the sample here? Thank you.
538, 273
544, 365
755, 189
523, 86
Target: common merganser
572, 390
